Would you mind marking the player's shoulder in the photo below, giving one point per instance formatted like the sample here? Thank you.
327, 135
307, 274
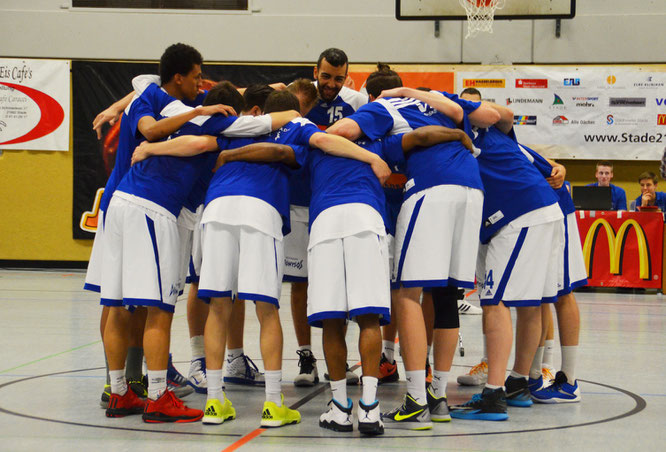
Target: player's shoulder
302, 122
352, 97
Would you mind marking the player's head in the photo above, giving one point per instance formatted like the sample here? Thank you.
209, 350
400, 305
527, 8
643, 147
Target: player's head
383, 78
472, 94
604, 173
306, 93
331, 73
281, 101
255, 98
648, 181
225, 93
180, 69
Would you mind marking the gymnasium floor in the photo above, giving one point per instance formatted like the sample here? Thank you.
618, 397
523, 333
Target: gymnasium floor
52, 374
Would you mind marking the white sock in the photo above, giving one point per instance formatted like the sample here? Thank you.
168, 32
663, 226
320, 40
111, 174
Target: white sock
493, 387
118, 382
197, 347
429, 350
569, 353
369, 390
215, 390
273, 386
416, 385
515, 374
307, 347
233, 354
389, 350
537, 362
439, 381
548, 350
485, 350
156, 383
339, 391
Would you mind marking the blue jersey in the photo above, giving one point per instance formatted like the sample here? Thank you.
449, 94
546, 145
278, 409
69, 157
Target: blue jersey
337, 180
513, 185
659, 201
618, 196
266, 181
443, 164
545, 168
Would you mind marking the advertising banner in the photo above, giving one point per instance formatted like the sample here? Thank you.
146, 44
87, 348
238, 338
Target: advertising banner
34, 104
622, 249
580, 112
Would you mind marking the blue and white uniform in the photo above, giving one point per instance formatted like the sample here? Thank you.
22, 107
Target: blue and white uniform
348, 271
437, 228
348, 101
659, 201
245, 219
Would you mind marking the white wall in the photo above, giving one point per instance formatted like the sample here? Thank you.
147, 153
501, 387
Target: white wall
603, 31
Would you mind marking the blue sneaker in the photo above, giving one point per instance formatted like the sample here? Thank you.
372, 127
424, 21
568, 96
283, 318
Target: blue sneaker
536, 384
176, 383
243, 371
196, 377
561, 391
517, 392
490, 405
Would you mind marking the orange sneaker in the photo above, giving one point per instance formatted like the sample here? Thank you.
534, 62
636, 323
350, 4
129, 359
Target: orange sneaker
388, 372
428, 372
169, 408
125, 405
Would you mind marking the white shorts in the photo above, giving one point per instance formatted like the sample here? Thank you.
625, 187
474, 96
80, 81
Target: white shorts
141, 254
195, 259
296, 246
520, 265
349, 277
94, 274
188, 227
572, 271
240, 261
437, 237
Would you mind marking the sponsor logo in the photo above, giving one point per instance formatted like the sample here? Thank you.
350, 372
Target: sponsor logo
557, 100
661, 120
532, 83
560, 120
625, 121
660, 101
484, 82
585, 101
523, 100
295, 263
611, 80
649, 83
571, 82
525, 120
90, 218
627, 102
616, 246
610, 119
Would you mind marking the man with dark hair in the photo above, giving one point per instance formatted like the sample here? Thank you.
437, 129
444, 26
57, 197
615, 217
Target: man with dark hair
649, 195
604, 174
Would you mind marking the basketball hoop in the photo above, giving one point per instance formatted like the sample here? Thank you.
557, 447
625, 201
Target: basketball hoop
480, 15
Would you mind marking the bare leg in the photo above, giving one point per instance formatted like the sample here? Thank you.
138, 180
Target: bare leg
236, 325
446, 341
215, 334
568, 319
499, 336
116, 335
429, 317
197, 312
270, 335
156, 338
411, 327
528, 333
335, 348
299, 312
369, 344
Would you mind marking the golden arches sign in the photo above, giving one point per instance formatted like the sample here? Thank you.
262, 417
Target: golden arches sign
615, 248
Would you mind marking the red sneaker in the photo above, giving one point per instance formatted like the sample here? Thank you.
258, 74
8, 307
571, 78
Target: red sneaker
120, 406
428, 372
388, 372
169, 408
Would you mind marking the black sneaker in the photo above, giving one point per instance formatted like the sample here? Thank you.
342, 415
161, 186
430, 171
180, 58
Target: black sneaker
106, 395
139, 387
352, 378
410, 415
517, 392
370, 419
308, 374
490, 405
388, 372
439, 409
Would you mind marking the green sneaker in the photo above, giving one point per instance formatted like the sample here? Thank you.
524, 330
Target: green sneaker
278, 416
217, 412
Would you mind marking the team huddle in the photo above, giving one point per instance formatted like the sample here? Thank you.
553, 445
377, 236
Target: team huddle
379, 209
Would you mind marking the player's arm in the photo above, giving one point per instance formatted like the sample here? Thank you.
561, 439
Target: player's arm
281, 118
505, 122
154, 130
341, 147
435, 100
265, 152
111, 114
346, 128
183, 146
431, 135
557, 176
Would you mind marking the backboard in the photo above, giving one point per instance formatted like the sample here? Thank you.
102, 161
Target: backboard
513, 9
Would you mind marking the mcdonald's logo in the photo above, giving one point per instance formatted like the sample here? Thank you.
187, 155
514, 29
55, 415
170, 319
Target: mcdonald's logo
616, 244
89, 219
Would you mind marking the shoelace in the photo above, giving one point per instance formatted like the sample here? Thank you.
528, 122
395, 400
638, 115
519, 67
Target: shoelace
175, 400
305, 361
479, 368
250, 368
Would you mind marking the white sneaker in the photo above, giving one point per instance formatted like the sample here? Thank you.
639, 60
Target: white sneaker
478, 375
307, 364
196, 377
338, 418
369, 419
243, 371
464, 307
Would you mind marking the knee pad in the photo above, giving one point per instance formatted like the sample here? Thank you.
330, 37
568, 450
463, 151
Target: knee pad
445, 302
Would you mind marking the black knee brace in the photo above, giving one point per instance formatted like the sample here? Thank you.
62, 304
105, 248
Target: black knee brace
445, 302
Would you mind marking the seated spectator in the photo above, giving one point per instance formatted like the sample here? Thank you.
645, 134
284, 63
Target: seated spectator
649, 194
604, 175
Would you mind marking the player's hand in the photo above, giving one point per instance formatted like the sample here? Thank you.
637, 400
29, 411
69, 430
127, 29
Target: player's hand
557, 176
209, 110
349, 82
141, 152
279, 86
381, 170
109, 115
394, 92
467, 142
221, 160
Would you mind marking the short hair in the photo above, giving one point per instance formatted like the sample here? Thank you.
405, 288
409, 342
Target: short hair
383, 78
648, 175
605, 163
281, 101
305, 87
256, 95
225, 93
178, 59
334, 57
472, 91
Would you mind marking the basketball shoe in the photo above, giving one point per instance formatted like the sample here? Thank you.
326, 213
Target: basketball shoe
196, 377
369, 419
561, 391
217, 412
125, 405
307, 364
478, 375
517, 392
337, 418
169, 408
410, 416
388, 372
489, 405
242, 370
278, 416
439, 409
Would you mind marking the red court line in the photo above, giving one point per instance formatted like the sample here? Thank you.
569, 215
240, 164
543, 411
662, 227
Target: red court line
245, 439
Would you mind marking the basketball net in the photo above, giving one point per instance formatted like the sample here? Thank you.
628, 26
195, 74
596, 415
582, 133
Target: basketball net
480, 15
